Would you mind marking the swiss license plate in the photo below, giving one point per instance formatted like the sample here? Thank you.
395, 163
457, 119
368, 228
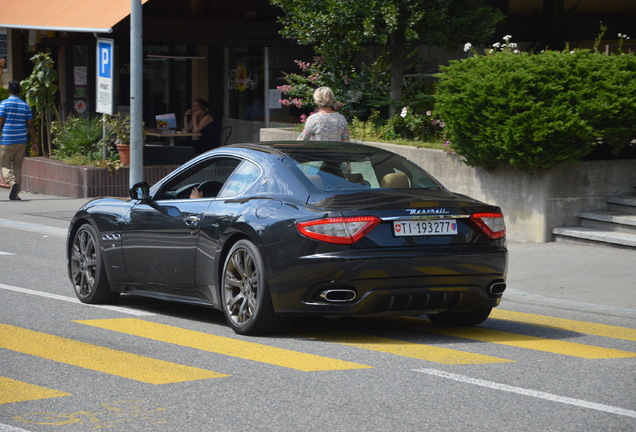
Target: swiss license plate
425, 227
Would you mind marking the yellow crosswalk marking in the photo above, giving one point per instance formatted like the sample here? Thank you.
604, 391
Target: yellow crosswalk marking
98, 358
531, 342
223, 345
17, 391
409, 349
525, 341
566, 324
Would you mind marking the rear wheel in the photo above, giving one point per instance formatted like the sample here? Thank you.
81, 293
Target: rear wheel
456, 319
246, 300
87, 268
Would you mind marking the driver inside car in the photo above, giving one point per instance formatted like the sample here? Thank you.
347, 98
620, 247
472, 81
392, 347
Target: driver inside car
208, 189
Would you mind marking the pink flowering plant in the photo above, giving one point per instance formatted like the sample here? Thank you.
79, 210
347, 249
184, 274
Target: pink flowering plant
362, 96
357, 92
300, 87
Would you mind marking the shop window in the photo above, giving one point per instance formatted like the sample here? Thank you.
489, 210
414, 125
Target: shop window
245, 84
166, 81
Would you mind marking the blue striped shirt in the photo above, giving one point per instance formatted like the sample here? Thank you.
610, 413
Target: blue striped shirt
16, 112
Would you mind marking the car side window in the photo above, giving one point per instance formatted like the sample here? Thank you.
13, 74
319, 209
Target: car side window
209, 176
241, 180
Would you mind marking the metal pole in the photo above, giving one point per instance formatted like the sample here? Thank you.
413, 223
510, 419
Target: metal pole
266, 86
136, 93
104, 146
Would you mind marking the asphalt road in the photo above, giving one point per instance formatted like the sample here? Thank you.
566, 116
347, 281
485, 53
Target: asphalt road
557, 355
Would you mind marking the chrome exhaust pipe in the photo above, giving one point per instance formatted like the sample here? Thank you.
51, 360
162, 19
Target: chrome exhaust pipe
497, 288
338, 295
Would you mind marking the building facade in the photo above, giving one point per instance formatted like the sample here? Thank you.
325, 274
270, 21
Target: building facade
229, 53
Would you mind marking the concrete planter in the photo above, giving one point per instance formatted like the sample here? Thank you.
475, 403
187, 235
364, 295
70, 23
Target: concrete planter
47, 176
533, 203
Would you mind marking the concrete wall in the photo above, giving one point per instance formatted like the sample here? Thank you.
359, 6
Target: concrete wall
532, 203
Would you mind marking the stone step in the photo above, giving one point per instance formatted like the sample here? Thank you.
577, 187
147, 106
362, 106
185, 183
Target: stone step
622, 204
609, 220
595, 236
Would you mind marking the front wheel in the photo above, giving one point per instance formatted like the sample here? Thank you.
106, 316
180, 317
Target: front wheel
87, 268
457, 319
247, 304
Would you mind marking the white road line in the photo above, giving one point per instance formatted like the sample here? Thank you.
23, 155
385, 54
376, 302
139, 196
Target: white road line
7, 428
528, 392
6, 253
74, 300
34, 228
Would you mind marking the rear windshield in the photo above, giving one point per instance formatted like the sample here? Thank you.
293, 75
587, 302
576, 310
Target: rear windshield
334, 171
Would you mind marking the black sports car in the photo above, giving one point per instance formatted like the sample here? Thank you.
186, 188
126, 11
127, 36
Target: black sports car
268, 231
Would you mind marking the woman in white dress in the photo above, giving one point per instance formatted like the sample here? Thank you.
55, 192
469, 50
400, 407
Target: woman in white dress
325, 124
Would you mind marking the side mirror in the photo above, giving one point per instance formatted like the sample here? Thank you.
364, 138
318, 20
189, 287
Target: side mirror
140, 191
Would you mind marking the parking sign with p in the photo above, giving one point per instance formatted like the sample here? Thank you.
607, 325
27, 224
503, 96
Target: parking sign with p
105, 56
105, 76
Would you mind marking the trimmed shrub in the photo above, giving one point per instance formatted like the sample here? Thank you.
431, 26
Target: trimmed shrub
535, 111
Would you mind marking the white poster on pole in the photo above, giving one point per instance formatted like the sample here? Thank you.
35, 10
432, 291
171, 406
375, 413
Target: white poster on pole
105, 50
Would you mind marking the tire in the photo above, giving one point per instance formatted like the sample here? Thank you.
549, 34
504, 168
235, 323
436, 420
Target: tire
457, 319
87, 268
247, 304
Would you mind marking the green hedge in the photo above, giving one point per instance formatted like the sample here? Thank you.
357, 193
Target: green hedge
535, 111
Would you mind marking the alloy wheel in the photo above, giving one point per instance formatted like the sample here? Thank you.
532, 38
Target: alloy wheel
84, 263
241, 287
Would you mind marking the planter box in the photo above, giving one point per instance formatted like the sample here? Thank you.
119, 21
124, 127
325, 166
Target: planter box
47, 176
533, 203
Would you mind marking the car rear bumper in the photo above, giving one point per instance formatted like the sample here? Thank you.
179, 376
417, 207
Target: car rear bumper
403, 283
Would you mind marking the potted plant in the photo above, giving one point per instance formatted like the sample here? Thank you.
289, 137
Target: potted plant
119, 127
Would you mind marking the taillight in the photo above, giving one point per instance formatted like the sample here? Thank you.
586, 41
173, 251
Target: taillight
338, 230
491, 224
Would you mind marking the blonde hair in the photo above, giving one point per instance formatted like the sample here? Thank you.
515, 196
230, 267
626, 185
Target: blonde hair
323, 97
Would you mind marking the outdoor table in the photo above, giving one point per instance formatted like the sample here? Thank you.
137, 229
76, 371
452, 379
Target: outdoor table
171, 135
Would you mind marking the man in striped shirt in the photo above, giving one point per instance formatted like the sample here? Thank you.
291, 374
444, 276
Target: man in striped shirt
15, 119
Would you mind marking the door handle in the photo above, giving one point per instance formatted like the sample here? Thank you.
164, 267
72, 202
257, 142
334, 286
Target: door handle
192, 220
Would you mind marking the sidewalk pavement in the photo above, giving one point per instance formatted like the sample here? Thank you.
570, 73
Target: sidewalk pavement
575, 276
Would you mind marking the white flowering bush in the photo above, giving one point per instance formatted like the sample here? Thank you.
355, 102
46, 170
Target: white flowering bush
414, 126
535, 111
507, 45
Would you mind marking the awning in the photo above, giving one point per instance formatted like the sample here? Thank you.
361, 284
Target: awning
92, 16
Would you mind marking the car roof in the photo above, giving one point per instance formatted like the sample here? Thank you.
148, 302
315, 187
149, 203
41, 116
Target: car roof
290, 148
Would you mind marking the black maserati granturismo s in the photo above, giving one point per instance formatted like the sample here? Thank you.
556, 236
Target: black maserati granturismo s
268, 231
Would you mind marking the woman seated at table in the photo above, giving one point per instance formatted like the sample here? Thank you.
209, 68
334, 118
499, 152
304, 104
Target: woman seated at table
198, 119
